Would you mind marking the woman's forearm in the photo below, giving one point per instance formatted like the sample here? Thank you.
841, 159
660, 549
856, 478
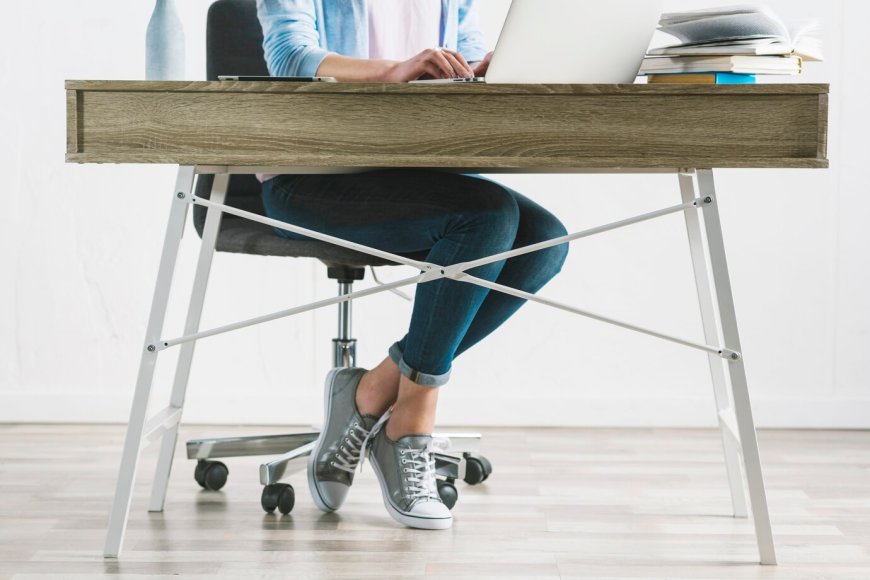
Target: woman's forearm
348, 69
435, 63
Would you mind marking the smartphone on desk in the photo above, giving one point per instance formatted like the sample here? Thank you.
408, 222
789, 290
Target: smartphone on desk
278, 79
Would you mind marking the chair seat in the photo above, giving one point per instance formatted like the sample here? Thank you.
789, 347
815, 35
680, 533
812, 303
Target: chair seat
246, 237
241, 236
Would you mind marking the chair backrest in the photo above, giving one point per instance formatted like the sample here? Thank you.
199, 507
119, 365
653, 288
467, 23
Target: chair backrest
234, 46
234, 40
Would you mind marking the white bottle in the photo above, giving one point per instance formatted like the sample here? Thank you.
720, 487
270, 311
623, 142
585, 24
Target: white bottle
164, 43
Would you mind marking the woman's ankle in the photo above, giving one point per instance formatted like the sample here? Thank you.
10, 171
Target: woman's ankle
406, 424
377, 390
414, 411
369, 399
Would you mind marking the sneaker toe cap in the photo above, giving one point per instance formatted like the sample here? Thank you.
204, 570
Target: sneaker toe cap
333, 493
431, 509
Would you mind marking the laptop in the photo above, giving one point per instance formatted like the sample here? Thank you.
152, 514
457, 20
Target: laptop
572, 42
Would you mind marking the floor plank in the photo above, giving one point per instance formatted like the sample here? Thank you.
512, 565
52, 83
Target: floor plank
561, 503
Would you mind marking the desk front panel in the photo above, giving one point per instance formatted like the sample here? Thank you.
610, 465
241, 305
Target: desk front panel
483, 127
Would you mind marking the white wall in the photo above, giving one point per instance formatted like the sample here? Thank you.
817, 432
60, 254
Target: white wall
79, 248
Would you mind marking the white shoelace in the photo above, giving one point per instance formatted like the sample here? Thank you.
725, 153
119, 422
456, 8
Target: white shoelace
421, 474
349, 452
374, 431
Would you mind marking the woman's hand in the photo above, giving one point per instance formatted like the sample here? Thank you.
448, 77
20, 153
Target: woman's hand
480, 68
431, 63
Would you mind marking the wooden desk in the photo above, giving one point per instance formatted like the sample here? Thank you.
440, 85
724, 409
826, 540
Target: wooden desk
244, 127
503, 127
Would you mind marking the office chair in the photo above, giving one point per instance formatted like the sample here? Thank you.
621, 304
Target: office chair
234, 42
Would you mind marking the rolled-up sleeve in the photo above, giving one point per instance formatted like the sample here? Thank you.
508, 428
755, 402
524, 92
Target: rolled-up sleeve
470, 42
291, 42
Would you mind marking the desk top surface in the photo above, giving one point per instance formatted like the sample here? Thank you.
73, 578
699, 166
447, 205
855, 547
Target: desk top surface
445, 89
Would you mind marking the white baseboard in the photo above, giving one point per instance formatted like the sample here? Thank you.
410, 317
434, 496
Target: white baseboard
59, 407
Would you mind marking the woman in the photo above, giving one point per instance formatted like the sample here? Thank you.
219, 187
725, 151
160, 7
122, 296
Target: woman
390, 410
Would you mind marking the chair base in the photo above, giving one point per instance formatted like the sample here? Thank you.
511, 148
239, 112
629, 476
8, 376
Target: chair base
292, 446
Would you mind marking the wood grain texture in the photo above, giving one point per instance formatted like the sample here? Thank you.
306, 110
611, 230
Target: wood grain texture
561, 503
498, 127
823, 125
73, 117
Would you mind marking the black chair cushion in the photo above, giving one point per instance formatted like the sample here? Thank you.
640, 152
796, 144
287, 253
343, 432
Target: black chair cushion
241, 236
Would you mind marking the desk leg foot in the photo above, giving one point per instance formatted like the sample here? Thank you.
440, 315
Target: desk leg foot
191, 326
145, 378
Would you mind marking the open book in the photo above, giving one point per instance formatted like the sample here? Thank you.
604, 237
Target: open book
738, 30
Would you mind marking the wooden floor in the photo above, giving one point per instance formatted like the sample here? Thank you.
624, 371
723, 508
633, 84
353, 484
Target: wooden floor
584, 503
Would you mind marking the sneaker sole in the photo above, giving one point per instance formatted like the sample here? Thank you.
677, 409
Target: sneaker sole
315, 453
410, 520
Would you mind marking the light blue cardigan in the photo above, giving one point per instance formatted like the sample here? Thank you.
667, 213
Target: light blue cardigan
298, 34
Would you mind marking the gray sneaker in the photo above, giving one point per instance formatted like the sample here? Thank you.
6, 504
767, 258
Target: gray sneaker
336, 454
406, 472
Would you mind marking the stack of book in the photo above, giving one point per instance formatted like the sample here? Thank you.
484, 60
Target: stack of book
730, 46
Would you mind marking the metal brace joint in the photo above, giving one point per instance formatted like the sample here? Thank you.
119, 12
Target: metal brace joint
159, 346
730, 355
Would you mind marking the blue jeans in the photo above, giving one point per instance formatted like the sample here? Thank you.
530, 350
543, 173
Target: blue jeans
455, 218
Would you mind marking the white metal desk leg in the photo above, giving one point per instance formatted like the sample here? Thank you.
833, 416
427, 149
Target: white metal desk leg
736, 370
706, 301
145, 378
185, 357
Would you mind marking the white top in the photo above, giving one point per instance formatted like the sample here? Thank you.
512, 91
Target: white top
400, 29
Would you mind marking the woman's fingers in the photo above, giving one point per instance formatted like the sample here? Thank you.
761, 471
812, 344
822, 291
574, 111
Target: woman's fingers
432, 69
481, 67
439, 64
457, 61
439, 58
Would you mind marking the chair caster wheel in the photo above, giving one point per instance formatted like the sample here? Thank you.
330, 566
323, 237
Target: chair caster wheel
280, 496
477, 468
448, 493
211, 475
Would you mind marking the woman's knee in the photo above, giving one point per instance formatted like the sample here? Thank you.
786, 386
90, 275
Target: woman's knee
554, 258
493, 207
551, 260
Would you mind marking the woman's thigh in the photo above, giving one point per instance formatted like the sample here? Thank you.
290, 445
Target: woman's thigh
396, 210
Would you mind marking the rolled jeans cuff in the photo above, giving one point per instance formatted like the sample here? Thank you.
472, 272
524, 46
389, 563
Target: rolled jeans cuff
417, 377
